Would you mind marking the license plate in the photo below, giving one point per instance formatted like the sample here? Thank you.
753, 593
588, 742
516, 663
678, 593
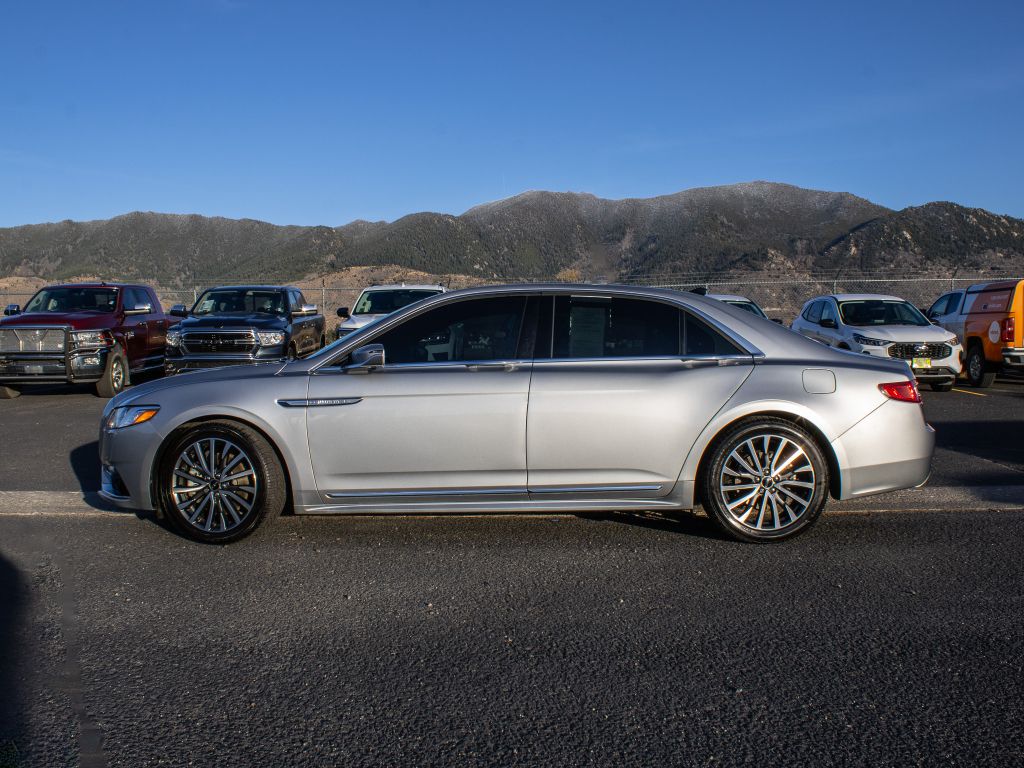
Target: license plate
33, 369
922, 362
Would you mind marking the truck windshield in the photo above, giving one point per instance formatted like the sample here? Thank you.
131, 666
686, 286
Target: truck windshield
385, 302
864, 312
73, 299
240, 301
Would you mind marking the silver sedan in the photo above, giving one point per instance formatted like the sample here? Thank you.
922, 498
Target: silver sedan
527, 398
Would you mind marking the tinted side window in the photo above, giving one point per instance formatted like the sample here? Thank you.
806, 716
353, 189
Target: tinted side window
828, 311
477, 329
133, 297
700, 339
813, 313
587, 326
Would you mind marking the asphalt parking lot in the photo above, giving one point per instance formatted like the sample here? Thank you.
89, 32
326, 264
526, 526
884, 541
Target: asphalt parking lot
890, 634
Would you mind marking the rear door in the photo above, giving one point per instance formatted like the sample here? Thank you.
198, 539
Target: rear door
621, 393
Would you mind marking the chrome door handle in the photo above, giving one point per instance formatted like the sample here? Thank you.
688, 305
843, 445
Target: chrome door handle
492, 366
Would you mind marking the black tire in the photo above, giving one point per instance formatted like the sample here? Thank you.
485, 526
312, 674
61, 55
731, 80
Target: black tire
977, 369
946, 387
323, 341
115, 377
293, 352
9, 393
214, 520
791, 514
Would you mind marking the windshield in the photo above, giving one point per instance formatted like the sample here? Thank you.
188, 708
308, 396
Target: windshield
865, 312
384, 302
240, 301
73, 300
749, 306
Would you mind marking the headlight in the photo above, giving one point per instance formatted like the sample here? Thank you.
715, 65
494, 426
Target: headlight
130, 415
270, 338
91, 338
173, 338
953, 340
867, 341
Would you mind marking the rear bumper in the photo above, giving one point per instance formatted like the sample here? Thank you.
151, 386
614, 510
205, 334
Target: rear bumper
1014, 358
888, 450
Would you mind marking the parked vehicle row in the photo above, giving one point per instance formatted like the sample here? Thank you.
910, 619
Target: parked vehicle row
103, 333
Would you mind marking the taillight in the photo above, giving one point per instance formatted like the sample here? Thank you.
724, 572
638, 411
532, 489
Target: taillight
904, 391
1009, 326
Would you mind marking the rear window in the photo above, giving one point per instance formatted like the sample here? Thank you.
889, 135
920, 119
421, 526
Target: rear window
989, 301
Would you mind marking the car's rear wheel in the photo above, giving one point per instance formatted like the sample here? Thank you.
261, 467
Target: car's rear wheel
976, 367
115, 377
765, 480
219, 480
943, 387
9, 393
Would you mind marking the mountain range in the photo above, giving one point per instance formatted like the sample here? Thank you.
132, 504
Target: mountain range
739, 228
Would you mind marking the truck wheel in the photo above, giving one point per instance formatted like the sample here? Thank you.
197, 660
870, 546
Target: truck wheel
323, 341
9, 393
293, 353
115, 378
978, 373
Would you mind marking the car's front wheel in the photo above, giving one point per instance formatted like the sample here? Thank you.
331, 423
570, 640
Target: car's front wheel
115, 377
218, 480
765, 480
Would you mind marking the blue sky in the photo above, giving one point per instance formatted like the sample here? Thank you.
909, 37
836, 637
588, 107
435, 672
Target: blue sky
320, 113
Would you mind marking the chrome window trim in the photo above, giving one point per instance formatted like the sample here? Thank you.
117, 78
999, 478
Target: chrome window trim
443, 299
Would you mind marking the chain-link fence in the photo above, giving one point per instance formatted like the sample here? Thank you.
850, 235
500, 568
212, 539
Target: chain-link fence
780, 295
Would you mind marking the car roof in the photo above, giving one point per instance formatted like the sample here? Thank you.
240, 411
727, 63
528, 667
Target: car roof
92, 285
864, 297
404, 286
728, 297
253, 288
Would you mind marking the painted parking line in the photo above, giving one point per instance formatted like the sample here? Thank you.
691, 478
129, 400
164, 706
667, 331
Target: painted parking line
969, 392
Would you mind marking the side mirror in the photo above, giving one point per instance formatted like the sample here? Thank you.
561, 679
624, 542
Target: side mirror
305, 310
179, 310
12, 309
343, 313
367, 357
828, 322
140, 309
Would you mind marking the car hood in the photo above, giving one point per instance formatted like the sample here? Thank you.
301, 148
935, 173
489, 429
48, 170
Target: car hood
152, 389
268, 322
358, 321
902, 333
80, 321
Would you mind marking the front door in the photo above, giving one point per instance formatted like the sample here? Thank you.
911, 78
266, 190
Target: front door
445, 416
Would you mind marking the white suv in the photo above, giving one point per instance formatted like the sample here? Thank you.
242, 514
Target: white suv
886, 326
379, 301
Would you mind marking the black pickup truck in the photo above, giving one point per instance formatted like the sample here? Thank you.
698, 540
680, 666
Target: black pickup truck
239, 324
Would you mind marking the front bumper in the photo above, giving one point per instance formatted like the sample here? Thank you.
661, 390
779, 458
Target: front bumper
940, 371
75, 366
179, 363
126, 461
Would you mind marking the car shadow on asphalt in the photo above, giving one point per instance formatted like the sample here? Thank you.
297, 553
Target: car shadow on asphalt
12, 608
683, 523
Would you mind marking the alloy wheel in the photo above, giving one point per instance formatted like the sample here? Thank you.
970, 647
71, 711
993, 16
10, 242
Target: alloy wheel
767, 483
214, 485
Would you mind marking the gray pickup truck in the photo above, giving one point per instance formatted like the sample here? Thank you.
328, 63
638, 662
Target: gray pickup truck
238, 324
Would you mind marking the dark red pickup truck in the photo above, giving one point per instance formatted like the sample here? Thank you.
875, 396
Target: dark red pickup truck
96, 333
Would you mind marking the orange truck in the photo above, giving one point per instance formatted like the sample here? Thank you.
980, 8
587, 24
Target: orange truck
989, 319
